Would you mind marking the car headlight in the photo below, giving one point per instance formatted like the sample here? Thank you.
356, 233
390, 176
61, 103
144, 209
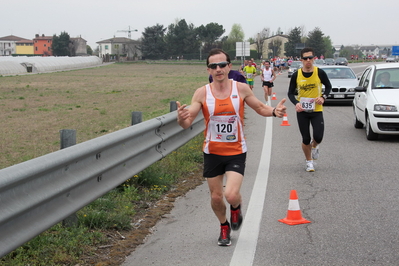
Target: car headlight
385, 108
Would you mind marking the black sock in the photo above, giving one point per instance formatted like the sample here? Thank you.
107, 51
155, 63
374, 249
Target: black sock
225, 223
234, 209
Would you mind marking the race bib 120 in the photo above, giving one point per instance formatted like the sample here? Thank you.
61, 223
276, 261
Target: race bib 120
223, 128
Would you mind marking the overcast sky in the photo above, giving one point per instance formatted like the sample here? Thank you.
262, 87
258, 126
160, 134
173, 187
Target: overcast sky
347, 22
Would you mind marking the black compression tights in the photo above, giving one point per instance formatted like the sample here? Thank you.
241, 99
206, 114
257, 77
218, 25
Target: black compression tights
316, 120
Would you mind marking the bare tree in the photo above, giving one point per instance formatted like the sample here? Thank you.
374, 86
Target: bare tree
304, 34
260, 39
275, 47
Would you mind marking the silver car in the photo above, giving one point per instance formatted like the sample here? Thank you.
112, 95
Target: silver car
391, 59
343, 81
294, 67
329, 61
341, 61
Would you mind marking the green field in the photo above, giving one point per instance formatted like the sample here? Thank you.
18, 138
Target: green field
94, 102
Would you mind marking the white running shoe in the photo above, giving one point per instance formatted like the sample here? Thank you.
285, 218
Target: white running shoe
315, 153
309, 166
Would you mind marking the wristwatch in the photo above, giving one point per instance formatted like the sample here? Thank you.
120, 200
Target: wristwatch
324, 96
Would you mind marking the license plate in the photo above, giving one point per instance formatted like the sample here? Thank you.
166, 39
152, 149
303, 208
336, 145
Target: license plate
339, 96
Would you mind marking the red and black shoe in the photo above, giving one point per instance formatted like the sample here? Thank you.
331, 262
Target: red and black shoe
235, 218
224, 238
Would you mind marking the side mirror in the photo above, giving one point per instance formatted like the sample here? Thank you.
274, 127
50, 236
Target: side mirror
360, 89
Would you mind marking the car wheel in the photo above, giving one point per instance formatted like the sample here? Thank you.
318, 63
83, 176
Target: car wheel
356, 123
369, 131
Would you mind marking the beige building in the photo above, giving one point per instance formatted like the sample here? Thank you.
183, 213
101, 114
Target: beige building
269, 53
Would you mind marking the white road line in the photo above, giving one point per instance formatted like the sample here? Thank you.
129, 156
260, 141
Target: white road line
244, 252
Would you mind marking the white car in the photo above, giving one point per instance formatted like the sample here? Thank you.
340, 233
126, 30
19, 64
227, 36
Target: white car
376, 101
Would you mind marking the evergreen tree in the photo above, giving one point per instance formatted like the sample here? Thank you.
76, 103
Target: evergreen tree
294, 38
153, 45
182, 39
61, 45
209, 35
89, 50
329, 47
315, 40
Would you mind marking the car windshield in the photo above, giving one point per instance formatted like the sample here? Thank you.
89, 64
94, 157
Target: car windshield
386, 78
339, 73
296, 64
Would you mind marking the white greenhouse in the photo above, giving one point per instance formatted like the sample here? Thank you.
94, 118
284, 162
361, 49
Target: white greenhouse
24, 64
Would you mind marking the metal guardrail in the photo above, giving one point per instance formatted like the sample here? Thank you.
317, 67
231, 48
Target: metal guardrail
36, 194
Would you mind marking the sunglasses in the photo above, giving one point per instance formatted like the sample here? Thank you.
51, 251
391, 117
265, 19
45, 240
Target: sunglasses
307, 57
220, 64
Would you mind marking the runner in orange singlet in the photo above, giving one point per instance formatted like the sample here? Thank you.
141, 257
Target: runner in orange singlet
222, 104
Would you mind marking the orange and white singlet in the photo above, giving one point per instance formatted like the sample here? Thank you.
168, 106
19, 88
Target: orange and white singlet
224, 120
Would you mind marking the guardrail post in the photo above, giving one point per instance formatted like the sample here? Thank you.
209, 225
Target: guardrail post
68, 138
173, 106
137, 118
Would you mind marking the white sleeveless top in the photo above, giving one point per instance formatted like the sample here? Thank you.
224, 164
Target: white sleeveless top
267, 74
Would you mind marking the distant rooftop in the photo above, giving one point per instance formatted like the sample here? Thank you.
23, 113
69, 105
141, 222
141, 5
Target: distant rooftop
11, 38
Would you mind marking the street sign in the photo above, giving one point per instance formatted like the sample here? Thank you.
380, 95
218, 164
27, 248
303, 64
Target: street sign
395, 50
242, 49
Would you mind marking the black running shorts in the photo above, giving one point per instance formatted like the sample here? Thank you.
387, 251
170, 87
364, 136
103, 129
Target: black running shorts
215, 165
268, 84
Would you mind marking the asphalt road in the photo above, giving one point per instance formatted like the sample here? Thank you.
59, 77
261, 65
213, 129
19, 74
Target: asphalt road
351, 200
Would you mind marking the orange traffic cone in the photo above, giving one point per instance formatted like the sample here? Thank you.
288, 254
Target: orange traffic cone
274, 96
285, 121
294, 215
